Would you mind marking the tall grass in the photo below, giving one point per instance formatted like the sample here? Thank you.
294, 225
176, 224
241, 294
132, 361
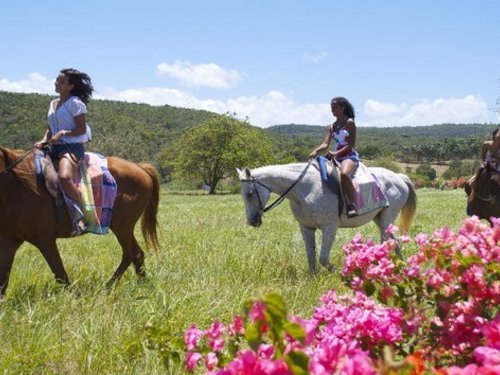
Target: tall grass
209, 263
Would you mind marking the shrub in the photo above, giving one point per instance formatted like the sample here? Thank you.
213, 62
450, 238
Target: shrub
387, 163
440, 308
426, 170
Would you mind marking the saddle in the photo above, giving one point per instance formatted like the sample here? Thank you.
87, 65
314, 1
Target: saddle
95, 182
368, 193
46, 173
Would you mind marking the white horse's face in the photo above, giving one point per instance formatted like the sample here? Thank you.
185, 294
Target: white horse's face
255, 197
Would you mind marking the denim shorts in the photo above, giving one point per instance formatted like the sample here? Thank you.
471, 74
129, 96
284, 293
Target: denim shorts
75, 149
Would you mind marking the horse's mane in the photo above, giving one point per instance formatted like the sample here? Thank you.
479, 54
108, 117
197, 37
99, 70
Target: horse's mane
292, 167
24, 171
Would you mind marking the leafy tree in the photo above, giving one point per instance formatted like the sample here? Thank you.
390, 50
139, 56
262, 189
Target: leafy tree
427, 171
212, 151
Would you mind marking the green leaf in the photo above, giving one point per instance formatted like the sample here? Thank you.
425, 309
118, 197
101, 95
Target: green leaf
296, 331
298, 363
369, 288
252, 335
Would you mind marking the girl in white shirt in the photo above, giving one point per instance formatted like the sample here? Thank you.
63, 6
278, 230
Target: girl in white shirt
67, 130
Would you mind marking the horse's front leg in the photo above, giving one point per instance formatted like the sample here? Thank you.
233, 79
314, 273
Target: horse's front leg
328, 236
50, 252
8, 248
308, 235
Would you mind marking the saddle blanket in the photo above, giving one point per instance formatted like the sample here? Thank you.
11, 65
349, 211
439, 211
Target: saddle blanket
98, 192
368, 195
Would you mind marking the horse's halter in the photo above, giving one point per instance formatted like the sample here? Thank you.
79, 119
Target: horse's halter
282, 197
262, 209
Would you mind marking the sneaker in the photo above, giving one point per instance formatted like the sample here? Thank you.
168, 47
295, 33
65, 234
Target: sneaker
78, 228
352, 210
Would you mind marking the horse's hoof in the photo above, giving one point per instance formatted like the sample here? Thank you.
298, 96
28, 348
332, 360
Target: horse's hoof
330, 268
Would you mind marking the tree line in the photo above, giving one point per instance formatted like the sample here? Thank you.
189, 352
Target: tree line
202, 147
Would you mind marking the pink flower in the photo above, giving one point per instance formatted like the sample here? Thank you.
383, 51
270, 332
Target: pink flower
405, 238
192, 359
265, 351
211, 361
192, 337
391, 230
487, 356
422, 239
237, 327
491, 333
257, 312
214, 333
467, 370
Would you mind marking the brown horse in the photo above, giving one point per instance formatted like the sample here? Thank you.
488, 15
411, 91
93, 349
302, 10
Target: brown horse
28, 213
484, 195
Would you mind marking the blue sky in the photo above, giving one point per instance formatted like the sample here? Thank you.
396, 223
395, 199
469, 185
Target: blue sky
399, 62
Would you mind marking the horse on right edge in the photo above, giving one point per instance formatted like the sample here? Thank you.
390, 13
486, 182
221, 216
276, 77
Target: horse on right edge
483, 195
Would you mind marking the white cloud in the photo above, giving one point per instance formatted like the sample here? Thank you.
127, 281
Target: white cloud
470, 109
316, 57
269, 109
35, 83
211, 75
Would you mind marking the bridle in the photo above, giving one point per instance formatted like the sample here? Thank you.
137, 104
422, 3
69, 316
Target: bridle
17, 161
282, 197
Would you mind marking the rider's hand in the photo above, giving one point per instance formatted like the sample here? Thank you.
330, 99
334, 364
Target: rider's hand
330, 155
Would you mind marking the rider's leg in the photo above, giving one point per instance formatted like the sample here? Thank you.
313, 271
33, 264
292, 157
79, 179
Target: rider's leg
347, 169
67, 170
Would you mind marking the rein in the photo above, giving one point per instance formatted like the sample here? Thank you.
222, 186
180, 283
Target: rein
17, 161
282, 197
491, 196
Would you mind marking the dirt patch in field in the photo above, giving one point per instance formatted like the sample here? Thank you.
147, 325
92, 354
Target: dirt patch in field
439, 168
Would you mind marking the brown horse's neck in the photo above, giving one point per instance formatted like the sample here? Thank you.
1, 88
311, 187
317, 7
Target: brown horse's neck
22, 175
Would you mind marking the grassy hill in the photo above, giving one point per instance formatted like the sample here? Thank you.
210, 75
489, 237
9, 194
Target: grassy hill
135, 131
141, 132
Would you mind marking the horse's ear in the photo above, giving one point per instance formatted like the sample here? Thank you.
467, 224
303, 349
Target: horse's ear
247, 173
238, 171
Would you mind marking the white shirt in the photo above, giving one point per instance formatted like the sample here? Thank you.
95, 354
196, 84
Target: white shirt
62, 118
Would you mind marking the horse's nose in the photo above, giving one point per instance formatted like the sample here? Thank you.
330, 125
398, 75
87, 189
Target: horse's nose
255, 221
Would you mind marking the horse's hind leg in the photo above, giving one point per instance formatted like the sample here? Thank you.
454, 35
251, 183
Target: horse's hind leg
132, 253
328, 236
8, 248
383, 220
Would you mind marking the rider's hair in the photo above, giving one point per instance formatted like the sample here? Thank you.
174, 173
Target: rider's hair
82, 85
494, 134
348, 108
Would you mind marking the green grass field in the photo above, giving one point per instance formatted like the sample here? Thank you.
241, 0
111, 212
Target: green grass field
209, 263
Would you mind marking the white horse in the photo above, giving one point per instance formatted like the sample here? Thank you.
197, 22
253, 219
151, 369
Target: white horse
315, 204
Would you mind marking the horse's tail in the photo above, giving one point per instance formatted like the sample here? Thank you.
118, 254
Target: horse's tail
410, 206
149, 221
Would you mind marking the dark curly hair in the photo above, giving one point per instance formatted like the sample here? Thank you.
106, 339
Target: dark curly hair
82, 85
348, 108
494, 134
